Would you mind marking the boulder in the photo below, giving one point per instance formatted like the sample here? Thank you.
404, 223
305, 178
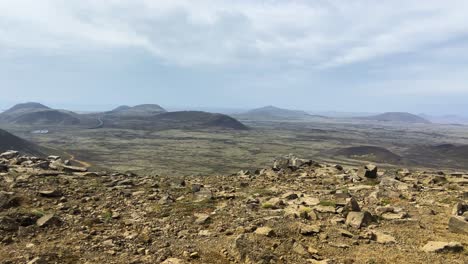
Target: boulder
9, 154
265, 231
281, 163
309, 230
202, 219
383, 238
359, 219
8, 200
458, 224
173, 261
325, 209
350, 206
442, 247
50, 193
3, 168
8, 224
290, 196
52, 157
69, 168
368, 171
48, 220
388, 182
460, 208
403, 172
299, 249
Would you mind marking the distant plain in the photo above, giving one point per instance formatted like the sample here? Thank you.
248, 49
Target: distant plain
221, 151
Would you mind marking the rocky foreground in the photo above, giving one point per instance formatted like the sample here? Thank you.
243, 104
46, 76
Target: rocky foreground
298, 211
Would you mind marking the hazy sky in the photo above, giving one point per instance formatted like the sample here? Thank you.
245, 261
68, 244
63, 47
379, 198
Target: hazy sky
343, 55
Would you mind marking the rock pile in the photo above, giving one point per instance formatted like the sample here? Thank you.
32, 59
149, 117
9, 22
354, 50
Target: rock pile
297, 211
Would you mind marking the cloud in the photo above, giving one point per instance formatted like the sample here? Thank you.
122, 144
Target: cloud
324, 34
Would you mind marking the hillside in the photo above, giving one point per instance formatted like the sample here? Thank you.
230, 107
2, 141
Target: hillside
401, 117
9, 141
272, 112
38, 114
296, 211
455, 156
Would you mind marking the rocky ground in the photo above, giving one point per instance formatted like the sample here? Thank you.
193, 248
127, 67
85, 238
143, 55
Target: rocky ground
297, 211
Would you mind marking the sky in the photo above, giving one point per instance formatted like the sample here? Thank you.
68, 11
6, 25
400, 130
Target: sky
315, 55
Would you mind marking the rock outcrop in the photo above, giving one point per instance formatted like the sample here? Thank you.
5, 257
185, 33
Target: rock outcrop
297, 211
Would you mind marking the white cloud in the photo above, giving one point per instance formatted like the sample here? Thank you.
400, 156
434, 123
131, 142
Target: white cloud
222, 32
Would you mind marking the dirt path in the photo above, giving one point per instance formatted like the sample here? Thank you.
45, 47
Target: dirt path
82, 163
71, 157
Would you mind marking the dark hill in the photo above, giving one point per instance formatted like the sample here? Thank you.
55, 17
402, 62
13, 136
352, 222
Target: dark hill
401, 117
200, 119
11, 142
175, 120
370, 153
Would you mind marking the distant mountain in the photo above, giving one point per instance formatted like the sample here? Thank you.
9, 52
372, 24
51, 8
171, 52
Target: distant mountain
272, 112
25, 108
401, 117
175, 120
121, 108
446, 119
11, 142
38, 114
138, 110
